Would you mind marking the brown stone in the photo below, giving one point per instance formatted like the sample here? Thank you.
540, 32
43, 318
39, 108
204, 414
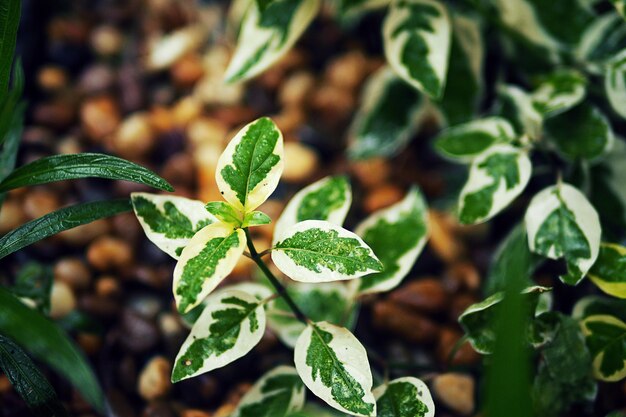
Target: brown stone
296, 89
404, 322
426, 295
465, 355
187, 71
381, 197
39, 202
371, 172
108, 252
100, 117
301, 162
52, 78
135, 137
74, 272
62, 300
455, 391
442, 238
154, 380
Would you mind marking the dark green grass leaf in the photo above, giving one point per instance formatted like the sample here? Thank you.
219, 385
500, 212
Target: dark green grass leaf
83, 165
47, 343
58, 221
9, 22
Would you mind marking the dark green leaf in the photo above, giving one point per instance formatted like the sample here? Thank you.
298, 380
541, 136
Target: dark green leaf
58, 221
47, 343
9, 21
28, 380
34, 282
82, 165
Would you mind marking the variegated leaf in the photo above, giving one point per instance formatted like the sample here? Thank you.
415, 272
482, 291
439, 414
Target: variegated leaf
169, 221
561, 223
229, 327
329, 301
496, 178
581, 132
468, 140
404, 397
416, 37
208, 258
319, 251
266, 36
592, 305
620, 6
517, 106
606, 338
559, 91
478, 320
397, 235
389, 115
224, 212
255, 218
327, 199
602, 40
333, 365
277, 394
615, 82
249, 169
609, 270
349, 7
464, 86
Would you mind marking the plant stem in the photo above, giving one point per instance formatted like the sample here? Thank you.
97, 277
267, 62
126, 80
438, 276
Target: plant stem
280, 288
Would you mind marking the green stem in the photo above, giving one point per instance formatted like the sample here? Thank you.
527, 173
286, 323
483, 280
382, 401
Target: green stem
280, 288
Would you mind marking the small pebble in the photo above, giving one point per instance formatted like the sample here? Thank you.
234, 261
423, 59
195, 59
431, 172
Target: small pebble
39, 202
138, 334
195, 413
168, 49
52, 78
347, 71
154, 379
448, 338
62, 300
96, 78
108, 252
371, 172
301, 162
11, 216
295, 90
90, 343
100, 117
186, 110
82, 235
206, 130
465, 274
426, 295
135, 138
442, 239
106, 40
74, 272
107, 286
455, 391
404, 322
381, 197
187, 70
179, 169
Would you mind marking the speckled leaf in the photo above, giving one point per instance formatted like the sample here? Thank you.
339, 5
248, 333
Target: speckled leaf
389, 115
397, 235
464, 85
541, 22
479, 323
319, 251
606, 338
517, 106
615, 82
496, 178
224, 212
607, 192
358, 6
333, 365
255, 218
601, 42
208, 258
404, 397
416, 37
229, 327
250, 167
169, 221
559, 91
328, 301
467, 141
561, 223
265, 36
277, 394
582, 132
327, 199
609, 270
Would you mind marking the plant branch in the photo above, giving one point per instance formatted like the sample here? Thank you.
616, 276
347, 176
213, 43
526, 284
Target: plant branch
280, 288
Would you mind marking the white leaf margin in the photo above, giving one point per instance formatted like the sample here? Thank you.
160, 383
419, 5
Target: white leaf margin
615, 83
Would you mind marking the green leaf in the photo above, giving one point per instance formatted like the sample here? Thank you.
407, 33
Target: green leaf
389, 115
604, 38
328, 199
314, 410
250, 167
58, 221
349, 7
397, 235
266, 35
34, 282
517, 106
561, 223
207, 259
478, 320
28, 380
10, 11
615, 82
333, 365
12, 136
559, 91
256, 218
42, 339
329, 301
464, 86
416, 36
277, 394
404, 397
229, 327
170, 221
263, 4
592, 305
468, 140
609, 270
496, 178
606, 338
582, 132
319, 251
82, 165
620, 6
224, 212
